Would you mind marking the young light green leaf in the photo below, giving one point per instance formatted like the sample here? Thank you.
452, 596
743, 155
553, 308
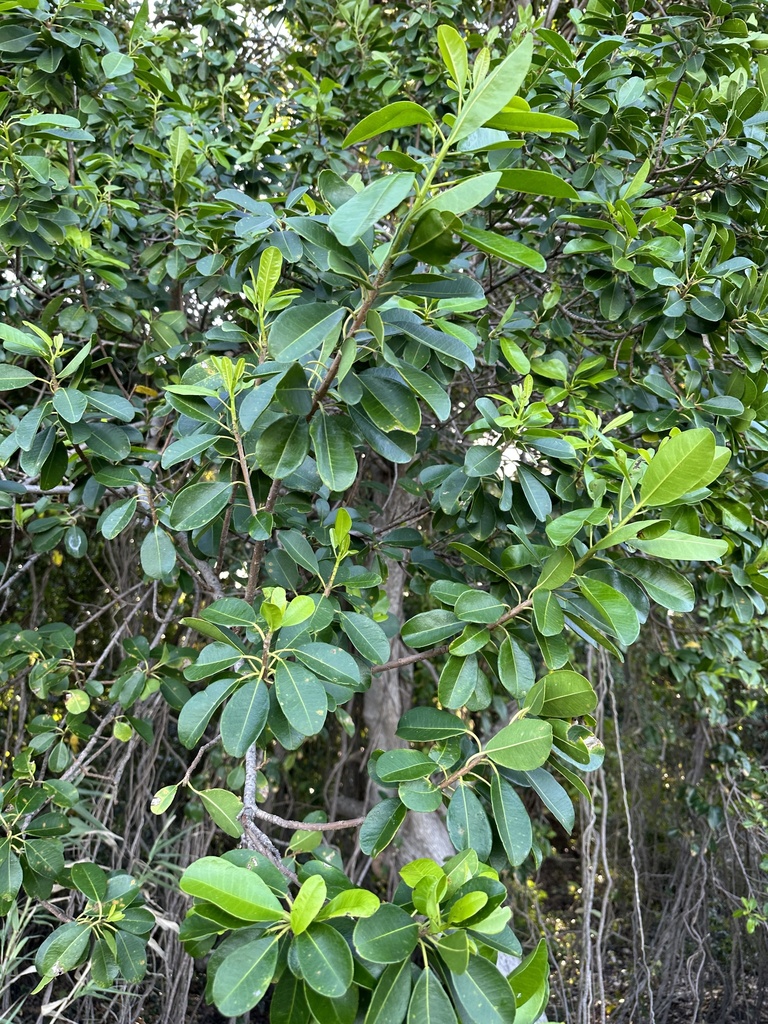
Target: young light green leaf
351, 221
453, 50
395, 115
494, 91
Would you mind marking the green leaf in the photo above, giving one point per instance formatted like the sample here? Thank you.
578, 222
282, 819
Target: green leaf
308, 903
114, 519
335, 455
663, 585
684, 546
547, 613
282, 449
389, 1002
556, 570
237, 890
554, 796
493, 92
453, 50
131, 956
325, 960
388, 403
483, 993
288, 1004
115, 64
515, 667
504, 248
63, 950
457, 683
186, 448
396, 115
523, 745
11, 875
613, 606
380, 826
478, 606
351, 221
467, 823
531, 121
299, 330
195, 506
454, 950
341, 1010
158, 555
163, 799
14, 377
429, 725
680, 465
213, 659
529, 984
537, 183
243, 977
482, 460
301, 697
511, 820
199, 709
367, 637
429, 628
404, 766
430, 1002
329, 662
535, 493
387, 937
270, 268
351, 903
244, 718
224, 807
464, 196
90, 879
567, 694
70, 404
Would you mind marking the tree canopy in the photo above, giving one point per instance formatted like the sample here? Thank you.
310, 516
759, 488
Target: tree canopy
383, 429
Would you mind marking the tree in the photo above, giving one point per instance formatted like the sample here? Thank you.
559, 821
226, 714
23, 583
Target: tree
367, 426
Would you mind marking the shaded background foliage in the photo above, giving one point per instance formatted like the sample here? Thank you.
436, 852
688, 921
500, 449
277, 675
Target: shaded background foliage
652, 303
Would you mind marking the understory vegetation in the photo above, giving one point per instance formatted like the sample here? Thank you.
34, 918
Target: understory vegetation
384, 560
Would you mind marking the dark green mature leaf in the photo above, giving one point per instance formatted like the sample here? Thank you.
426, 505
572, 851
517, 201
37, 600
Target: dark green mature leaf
197, 505
523, 745
367, 636
335, 455
244, 975
10, 872
282, 449
380, 826
429, 1001
244, 718
63, 950
665, 586
404, 766
511, 820
504, 248
428, 628
516, 670
421, 725
457, 682
567, 694
301, 697
351, 221
389, 1002
387, 937
158, 555
299, 330
554, 796
613, 606
468, 824
14, 377
483, 993
325, 960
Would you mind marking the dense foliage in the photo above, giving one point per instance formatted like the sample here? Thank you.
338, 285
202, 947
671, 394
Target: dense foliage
383, 410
